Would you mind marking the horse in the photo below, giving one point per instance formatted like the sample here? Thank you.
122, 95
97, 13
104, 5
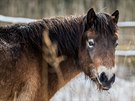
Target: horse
88, 42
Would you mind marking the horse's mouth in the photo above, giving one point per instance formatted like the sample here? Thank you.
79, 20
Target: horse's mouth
93, 75
99, 84
105, 88
102, 83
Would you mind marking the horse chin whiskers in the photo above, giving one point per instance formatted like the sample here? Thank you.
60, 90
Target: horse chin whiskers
93, 75
100, 87
96, 82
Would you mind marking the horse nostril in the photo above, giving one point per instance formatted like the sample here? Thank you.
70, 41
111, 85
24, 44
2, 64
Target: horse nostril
105, 82
112, 79
103, 77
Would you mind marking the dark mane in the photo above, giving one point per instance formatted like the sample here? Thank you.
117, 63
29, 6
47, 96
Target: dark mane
64, 31
23, 34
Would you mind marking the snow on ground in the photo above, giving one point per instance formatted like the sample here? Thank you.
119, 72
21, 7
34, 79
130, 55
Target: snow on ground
82, 89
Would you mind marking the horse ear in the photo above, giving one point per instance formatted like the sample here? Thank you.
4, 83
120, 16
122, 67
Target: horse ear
115, 16
91, 16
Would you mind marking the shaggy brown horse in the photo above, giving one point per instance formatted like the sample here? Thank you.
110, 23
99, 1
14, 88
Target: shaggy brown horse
88, 43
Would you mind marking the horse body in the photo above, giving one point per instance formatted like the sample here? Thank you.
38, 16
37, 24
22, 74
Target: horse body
21, 54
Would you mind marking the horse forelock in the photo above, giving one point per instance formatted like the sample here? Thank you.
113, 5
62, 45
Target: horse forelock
103, 25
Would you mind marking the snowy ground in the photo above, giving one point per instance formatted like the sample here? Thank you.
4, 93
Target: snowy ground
82, 89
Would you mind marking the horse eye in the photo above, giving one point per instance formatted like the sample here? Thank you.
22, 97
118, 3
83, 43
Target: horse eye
90, 43
116, 43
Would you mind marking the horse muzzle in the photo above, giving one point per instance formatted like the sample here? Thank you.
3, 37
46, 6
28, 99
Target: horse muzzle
105, 77
104, 82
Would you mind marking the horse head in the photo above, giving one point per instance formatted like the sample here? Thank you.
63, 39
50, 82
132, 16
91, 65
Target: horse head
98, 44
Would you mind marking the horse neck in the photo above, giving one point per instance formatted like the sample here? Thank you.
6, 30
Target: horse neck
69, 70
66, 32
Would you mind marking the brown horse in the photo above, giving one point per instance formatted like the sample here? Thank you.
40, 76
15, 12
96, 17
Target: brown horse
88, 43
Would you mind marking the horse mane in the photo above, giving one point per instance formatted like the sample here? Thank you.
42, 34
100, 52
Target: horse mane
22, 38
65, 31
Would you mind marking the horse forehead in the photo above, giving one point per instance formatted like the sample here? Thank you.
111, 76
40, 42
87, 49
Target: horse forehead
102, 38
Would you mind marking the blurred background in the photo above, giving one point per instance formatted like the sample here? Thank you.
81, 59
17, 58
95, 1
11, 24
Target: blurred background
124, 88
